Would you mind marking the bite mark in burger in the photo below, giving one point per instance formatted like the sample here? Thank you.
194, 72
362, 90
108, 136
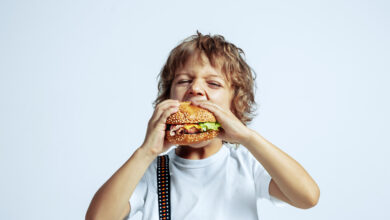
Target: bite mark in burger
191, 124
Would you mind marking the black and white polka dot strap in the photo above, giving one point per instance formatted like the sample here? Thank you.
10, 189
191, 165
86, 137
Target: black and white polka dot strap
163, 185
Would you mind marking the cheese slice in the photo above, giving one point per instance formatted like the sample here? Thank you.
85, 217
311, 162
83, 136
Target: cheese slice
188, 126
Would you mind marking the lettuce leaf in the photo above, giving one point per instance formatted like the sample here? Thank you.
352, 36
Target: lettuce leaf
209, 126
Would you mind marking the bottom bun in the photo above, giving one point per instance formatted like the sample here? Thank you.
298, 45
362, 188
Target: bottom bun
185, 139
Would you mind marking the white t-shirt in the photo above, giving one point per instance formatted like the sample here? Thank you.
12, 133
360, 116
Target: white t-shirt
226, 185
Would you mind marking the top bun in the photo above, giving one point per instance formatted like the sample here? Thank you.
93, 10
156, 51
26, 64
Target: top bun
190, 114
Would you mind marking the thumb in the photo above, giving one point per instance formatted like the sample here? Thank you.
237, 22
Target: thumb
167, 145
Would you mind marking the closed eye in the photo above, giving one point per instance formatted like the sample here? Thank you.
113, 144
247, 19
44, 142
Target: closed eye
215, 84
183, 81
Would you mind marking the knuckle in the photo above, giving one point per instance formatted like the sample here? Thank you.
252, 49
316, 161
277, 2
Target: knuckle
168, 113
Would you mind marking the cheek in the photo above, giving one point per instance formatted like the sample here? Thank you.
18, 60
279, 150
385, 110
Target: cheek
222, 99
172, 93
175, 93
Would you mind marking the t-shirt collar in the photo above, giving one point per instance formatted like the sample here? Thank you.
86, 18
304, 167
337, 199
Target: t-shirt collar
187, 163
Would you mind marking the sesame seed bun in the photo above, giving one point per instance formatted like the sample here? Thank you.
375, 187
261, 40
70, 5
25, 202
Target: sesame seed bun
188, 114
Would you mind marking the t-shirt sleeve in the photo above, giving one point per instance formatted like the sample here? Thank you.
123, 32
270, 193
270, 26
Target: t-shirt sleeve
262, 180
137, 199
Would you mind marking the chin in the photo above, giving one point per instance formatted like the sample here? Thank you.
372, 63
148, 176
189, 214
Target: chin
199, 145
202, 144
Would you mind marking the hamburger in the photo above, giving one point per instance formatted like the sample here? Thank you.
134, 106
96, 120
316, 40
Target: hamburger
191, 124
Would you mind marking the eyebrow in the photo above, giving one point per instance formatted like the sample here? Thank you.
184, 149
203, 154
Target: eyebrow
208, 75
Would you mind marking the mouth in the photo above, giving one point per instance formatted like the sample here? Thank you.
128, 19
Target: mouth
194, 100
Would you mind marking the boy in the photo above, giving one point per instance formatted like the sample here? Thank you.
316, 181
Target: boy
209, 180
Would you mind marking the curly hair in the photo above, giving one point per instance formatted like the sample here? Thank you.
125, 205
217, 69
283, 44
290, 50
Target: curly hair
220, 53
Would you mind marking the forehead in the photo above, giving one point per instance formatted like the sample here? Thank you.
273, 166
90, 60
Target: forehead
204, 71
199, 63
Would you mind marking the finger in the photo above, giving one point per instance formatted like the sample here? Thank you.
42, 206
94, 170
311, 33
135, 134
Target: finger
207, 103
166, 114
163, 105
214, 108
221, 135
161, 108
167, 144
167, 101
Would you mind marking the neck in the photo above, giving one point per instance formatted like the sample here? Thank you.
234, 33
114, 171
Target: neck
198, 152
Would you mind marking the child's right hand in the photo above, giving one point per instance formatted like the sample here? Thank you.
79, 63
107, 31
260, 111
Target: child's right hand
155, 142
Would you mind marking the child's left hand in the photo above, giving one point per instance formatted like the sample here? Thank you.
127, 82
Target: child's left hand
233, 130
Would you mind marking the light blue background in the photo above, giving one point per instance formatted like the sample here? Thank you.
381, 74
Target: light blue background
77, 79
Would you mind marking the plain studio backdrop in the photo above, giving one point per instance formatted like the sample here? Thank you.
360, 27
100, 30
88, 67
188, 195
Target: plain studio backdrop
78, 78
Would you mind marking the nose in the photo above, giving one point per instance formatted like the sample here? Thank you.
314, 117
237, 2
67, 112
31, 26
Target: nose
196, 89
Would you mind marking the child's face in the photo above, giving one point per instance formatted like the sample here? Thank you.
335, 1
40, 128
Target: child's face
195, 81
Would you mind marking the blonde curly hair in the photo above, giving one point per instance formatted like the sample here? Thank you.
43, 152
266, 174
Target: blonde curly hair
219, 52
